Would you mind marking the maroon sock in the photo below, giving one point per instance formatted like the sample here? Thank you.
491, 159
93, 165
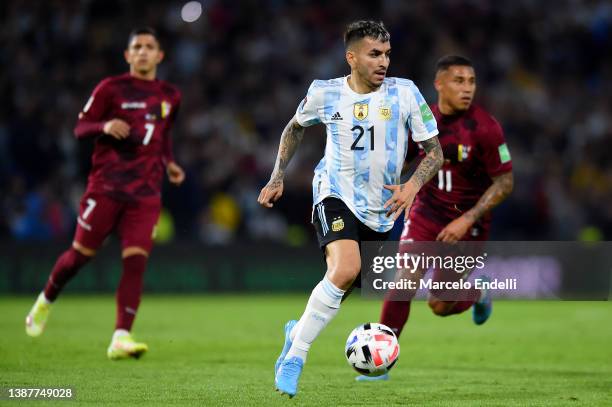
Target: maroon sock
129, 290
394, 314
460, 306
66, 267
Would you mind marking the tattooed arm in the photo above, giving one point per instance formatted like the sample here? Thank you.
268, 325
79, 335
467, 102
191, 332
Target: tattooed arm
498, 191
430, 165
290, 140
404, 194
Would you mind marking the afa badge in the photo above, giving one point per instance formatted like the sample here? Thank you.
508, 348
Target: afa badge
384, 113
360, 111
338, 224
165, 109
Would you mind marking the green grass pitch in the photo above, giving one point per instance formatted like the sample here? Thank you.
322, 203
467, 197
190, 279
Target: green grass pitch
220, 350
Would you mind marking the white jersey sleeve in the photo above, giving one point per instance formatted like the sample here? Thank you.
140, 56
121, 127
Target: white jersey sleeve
421, 120
308, 111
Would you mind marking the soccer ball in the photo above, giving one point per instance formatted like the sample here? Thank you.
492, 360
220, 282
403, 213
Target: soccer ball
372, 349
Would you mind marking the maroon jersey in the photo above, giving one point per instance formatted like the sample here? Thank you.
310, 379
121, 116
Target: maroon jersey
133, 168
474, 151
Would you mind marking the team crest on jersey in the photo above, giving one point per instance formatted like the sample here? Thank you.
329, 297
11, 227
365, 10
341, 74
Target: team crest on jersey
463, 152
165, 109
360, 111
384, 112
338, 224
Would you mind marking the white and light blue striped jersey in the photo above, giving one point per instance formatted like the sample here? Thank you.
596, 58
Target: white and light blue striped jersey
367, 140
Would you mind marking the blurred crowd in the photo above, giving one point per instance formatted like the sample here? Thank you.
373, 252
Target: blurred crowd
243, 66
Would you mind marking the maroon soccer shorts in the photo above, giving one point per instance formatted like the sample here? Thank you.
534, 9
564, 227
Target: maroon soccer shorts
99, 215
416, 237
420, 229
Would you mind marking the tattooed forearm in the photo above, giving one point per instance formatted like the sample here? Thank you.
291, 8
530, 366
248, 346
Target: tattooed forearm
290, 140
498, 191
432, 162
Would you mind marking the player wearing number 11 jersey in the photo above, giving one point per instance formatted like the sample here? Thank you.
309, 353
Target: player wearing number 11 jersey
130, 117
456, 205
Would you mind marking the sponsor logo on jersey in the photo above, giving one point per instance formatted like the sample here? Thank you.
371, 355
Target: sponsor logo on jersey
384, 112
165, 109
360, 111
338, 224
150, 117
504, 153
426, 113
133, 105
463, 152
337, 116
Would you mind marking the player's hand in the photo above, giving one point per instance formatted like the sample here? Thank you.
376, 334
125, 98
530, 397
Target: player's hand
455, 230
270, 193
117, 128
401, 200
176, 175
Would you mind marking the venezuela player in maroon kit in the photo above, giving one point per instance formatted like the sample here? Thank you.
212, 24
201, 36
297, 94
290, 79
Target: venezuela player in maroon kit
455, 206
130, 117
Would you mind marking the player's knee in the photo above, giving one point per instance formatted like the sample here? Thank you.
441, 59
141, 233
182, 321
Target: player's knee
440, 308
343, 274
134, 251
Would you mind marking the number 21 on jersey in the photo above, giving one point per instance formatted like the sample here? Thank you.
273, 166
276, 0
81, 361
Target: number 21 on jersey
358, 131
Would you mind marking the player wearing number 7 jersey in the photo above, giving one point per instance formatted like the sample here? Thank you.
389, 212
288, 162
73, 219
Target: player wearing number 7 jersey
130, 117
357, 193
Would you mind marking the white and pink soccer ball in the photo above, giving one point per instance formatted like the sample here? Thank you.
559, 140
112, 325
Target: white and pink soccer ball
372, 349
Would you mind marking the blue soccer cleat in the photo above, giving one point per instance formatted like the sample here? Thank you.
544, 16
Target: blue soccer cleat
380, 378
288, 375
288, 342
481, 311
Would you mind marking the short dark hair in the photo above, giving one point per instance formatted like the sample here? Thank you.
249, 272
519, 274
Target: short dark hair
358, 30
143, 31
452, 60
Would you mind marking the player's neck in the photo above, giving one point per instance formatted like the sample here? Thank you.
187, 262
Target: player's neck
358, 85
148, 76
445, 108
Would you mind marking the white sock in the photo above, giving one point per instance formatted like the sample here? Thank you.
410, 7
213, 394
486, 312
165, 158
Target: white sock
44, 299
322, 307
120, 332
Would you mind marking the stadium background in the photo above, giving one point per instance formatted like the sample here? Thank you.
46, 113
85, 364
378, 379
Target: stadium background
544, 70
243, 67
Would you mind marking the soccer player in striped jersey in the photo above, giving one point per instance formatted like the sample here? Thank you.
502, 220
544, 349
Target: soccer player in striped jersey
356, 191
